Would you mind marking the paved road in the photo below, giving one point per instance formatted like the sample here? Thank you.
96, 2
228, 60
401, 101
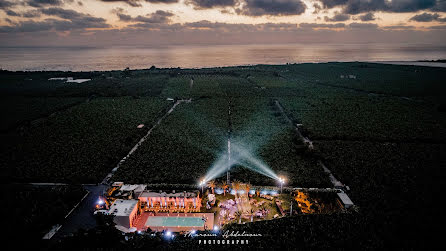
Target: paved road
82, 216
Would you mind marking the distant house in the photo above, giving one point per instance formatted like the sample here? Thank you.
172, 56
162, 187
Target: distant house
344, 200
79, 81
70, 80
122, 191
136, 189
61, 79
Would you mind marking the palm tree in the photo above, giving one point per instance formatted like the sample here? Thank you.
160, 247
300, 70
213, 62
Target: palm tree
239, 215
247, 187
211, 185
236, 185
252, 212
225, 186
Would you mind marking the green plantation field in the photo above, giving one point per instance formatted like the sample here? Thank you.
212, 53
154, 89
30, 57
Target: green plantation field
397, 80
397, 186
194, 136
105, 84
81, 144
381, 130
182, 148
95, 130
201, 86
258, 125
33, 210
28, 110
351, 116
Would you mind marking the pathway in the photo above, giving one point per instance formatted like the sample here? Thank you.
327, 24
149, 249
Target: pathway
107, 178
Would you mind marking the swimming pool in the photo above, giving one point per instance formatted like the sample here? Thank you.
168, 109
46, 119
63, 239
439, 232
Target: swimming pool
163, 221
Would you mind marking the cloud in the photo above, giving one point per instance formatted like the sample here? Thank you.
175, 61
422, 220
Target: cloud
163, 1
440, 6
206, 32
137, 3
6, 4
253, 7
12, 13
338, 17
207, 4
26, 14
363, 26
398, 27
278, 27
328, 4
410, 5
321, 26
133, 3
367, 17
205, 25
27, 26
53, 25
427, 17
208, 25
317, 8
44, 3
31, 13
158, 17
72, 20
437, 27
361, 6
272, 8
63, 13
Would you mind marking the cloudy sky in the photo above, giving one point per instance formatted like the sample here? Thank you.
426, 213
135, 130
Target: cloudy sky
177, 22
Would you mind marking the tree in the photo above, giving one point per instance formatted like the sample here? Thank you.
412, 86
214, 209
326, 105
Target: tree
238, 214
236, 186
252, 212
225, 186
211, 184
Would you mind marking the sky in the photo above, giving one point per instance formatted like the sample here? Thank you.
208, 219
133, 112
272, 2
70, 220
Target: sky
201, 22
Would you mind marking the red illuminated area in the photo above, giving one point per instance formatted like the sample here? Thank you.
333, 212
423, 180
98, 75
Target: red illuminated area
170, 202
132, 205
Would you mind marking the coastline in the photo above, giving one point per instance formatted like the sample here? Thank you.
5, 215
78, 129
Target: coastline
407, 63
412, 63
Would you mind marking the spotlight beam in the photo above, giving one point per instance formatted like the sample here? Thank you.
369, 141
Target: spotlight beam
239, 155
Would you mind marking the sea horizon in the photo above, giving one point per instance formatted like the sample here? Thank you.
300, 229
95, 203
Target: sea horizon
106, 58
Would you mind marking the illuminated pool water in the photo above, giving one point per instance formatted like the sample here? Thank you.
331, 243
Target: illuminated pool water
163, 221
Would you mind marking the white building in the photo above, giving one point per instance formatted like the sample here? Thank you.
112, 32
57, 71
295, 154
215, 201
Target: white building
136, 189
125, 212
345, 200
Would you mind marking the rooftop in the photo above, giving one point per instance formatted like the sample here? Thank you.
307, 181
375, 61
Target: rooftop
136, 188
345, 199
122, 207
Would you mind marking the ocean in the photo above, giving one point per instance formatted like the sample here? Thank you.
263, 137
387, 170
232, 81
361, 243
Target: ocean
141, 57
